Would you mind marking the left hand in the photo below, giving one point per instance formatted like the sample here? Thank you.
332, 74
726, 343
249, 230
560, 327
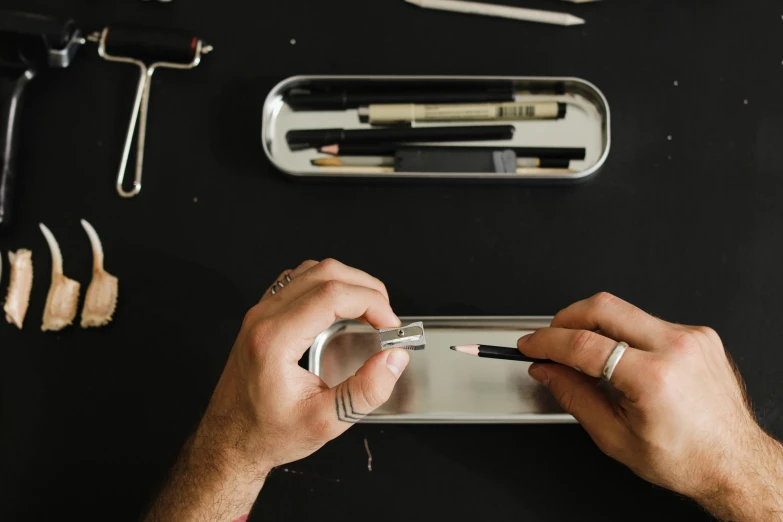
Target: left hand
268, 410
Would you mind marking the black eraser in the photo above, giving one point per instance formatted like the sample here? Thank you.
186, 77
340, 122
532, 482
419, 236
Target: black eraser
444, 160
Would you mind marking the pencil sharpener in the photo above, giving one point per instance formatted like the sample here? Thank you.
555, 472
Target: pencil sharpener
410, 337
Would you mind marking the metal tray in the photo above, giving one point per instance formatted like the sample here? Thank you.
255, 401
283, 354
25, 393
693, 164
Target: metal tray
586, 125
440, 385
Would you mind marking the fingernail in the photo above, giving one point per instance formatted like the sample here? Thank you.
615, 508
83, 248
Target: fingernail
524, 339
539, 373
396, 361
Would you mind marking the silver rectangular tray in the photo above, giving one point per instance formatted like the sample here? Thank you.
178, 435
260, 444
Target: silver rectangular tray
440, 385
586, 125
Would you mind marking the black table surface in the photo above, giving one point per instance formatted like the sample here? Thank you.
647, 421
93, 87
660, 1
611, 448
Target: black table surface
685, 220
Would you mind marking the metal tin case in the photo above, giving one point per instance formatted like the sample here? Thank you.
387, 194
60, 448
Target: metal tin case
587, 124
440, 385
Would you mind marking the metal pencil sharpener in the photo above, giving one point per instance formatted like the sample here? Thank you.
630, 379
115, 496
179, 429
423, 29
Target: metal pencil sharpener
410, 337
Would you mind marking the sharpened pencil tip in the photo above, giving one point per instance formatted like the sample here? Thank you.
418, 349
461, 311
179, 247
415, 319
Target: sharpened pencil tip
470, 349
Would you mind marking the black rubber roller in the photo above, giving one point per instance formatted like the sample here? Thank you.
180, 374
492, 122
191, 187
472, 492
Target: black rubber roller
151, 45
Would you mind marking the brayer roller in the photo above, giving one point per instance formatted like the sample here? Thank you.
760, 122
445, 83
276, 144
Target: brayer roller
29, 43
149, 50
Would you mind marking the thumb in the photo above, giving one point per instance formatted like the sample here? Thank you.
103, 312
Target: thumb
578, 394
371, 387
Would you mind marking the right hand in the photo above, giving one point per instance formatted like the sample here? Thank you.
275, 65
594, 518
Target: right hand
682, 419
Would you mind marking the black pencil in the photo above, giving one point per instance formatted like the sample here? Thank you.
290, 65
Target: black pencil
497, 352
308, 138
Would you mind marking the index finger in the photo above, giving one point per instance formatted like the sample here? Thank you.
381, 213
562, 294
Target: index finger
615, 318
318, 309
586, 351
318, 273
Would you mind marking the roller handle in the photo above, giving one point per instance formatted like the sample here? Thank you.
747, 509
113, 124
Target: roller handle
11, 91
151, 45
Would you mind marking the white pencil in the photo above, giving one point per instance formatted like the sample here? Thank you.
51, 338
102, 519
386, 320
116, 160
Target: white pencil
516, 13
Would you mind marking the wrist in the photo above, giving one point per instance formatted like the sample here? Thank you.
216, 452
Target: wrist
227, 432
210, 480
223, 443
752, 488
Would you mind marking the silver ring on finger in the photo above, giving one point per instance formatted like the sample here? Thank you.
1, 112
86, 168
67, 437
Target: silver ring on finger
273, 290
614, 359
287, 278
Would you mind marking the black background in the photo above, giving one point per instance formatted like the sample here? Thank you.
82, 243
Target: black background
687, 228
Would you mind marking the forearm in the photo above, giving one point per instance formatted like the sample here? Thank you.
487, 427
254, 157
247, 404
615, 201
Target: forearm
753, 490
209, 482
266, 410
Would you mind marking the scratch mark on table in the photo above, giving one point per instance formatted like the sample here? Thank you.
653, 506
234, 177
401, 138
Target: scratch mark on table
308, 475
369, 455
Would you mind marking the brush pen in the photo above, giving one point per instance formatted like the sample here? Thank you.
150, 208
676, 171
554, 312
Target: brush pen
390, 149
375, 85
348, 99
497, 352
390, 114
309, 138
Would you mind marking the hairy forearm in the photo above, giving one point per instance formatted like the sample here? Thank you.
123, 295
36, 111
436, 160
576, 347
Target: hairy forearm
753, 488
209, 482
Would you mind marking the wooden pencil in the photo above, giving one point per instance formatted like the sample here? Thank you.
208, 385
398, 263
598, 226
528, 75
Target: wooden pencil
370, 169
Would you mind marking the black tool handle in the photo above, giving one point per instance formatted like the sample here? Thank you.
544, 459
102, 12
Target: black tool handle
11, 91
